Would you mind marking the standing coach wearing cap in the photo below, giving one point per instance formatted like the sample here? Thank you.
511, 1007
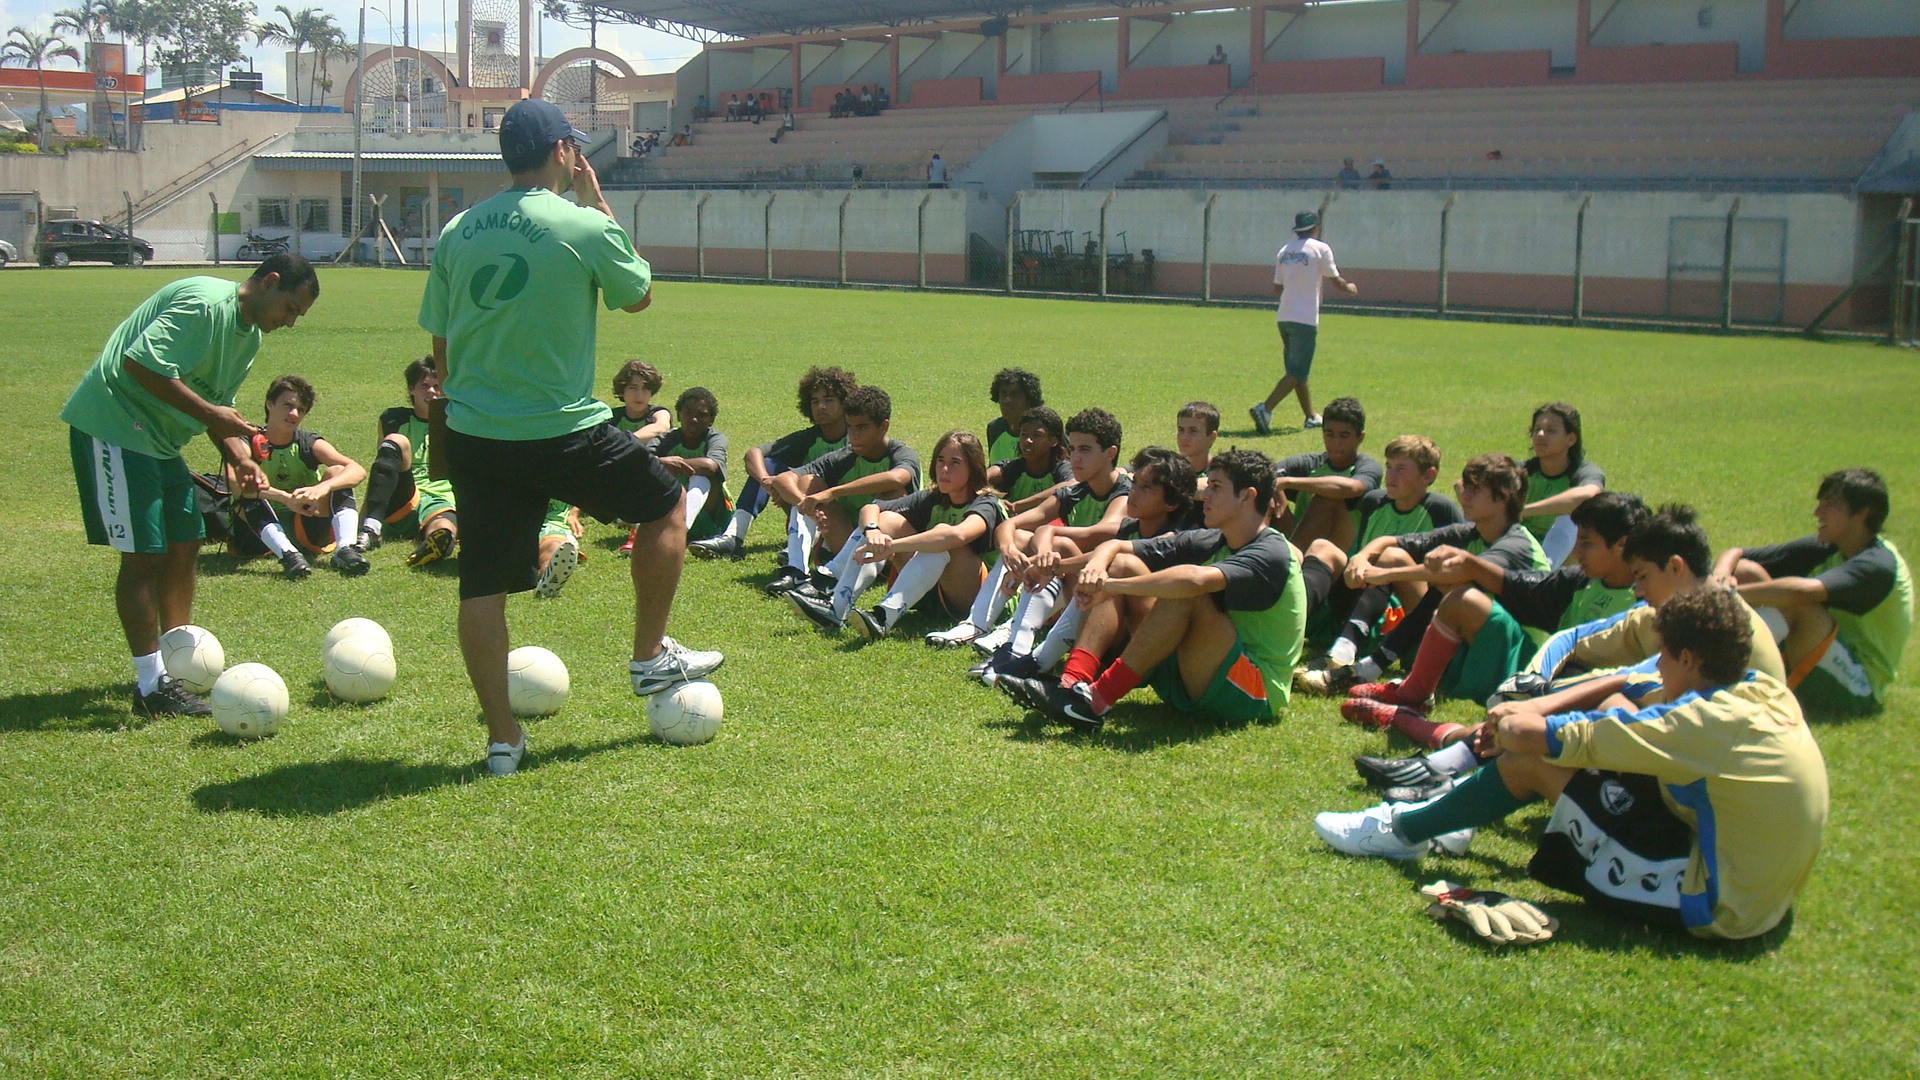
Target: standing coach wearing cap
510, 305
1297, 271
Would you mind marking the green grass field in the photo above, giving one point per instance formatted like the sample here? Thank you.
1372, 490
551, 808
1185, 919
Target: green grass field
878, 868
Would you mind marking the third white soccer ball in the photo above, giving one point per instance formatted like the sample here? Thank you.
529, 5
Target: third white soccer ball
360, 669
537, 682
686, 715
249, 701
192, 655
347, 629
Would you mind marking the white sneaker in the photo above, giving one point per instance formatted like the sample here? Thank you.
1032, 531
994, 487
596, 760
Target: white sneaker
503, 759
954, 638
1367, 833
1310, 423
675, 664
986, 643
557, 571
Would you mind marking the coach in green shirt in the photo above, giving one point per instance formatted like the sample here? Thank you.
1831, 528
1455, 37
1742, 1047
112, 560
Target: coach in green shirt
510, 303
169, 372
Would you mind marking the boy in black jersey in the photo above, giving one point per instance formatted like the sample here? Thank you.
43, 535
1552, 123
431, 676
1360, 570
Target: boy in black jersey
1041, 466
823, 400
1315, 494
828, 492
311, 480
1015, 390
1195, 428
400, 490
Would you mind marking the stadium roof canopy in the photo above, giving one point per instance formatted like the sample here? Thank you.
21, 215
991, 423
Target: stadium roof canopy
767, 18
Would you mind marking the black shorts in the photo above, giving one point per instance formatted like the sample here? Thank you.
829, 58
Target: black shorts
1613, 841
502, 488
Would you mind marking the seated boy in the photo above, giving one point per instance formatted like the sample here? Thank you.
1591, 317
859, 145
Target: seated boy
1666, 555
1491, 490
633, 388
1844, 594
1015, 390
1217, 614
1704, 813
1325, 487
823, 400
1195, 428
1032, 542
399, 490
696, 454
827, 493
1041, 465
311, 479
1488, 628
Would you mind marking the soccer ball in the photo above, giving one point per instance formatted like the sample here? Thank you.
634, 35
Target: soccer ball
687, 714
537, 682
346, 629
360, 669
192, 655
249, 701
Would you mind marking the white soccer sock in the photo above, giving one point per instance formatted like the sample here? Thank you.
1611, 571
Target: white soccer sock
915, 580
698, 489
275, 537
1031, 614
1060, 636
1455, 760
371, 525
1775, 620
802, 531
346, 527
147, 672
862, 577
738, 525
842, 564
1366, 669
990, 600
1343, 652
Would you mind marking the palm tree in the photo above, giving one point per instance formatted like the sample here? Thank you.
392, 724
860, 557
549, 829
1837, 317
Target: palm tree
329, 43
34, 50
298, 29
93, 18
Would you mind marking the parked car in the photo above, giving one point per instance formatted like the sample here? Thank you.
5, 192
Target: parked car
61, 242
7, 253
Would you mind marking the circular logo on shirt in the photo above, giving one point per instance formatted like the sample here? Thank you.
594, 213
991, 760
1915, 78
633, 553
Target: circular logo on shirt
1615, 797
498, 282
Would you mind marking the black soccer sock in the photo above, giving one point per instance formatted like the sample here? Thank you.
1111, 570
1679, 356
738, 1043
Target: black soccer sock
1368, 606
1405, 638
1318, 577
383, 480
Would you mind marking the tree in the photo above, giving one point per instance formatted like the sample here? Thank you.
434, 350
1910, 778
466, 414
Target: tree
329, 43
337, 49
209, 33
296, 28
34, 50
94, 18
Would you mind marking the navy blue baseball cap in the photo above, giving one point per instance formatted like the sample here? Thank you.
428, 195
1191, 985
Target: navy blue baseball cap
530, 129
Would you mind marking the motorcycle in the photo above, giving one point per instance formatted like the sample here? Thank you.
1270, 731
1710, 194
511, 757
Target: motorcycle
259, 247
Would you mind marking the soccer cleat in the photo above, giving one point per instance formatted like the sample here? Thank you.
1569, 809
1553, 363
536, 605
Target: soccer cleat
1074, 704
1367, 833
294, 566
503, 759
433, 547
170, 698
817, 611
675, 664
349, 561
1026, 693
1370, 714
1418, 792
1381, 772
369, 540
871, 624
1262, 418
565, 559
626, 549
785, 579
1310, 423
1520, 686
718, 547
1327, 681
986, 643
954, 638
1387, 693
1003, 664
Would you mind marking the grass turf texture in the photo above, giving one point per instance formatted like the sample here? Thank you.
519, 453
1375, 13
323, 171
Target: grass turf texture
877, 867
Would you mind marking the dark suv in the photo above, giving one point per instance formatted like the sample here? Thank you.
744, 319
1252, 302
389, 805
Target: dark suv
58, 243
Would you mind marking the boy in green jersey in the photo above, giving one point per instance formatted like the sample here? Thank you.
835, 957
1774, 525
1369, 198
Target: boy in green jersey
827, 493
1559, 478
311, 479
697, 454
1844, 596
635, 412
1015, 390
1195, 428
823, 401
168, 373
1041, 465
401, 493
1217, 615
1325, 487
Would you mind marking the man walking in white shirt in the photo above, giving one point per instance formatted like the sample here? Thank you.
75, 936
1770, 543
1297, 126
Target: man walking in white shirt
1297, 271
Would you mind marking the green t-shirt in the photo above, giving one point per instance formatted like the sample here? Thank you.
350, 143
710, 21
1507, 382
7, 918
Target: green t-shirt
189, 330
1080, 508
512, 290
797, 448
294, 465
629, 425
1022, 484
401, 420
1364, 469
843, 466
1541, 486
1265, 596
1869, 596
713, 516
1003, 442
1379, 517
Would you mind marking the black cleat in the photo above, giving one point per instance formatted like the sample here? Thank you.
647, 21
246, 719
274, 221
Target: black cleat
294, 566
818, 612
1026, 693
170, 698
1379, 772
350, 561
871, 624
718, 547
1417, 793
369, 540
1074, 704
784, 581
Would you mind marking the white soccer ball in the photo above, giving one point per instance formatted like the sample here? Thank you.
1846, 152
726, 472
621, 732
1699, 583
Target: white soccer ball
192, 655
687, 714
537, 682
249, 701
360, 669
347, 629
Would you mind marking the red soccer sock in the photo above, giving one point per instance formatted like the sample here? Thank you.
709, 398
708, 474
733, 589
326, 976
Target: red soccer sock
1117, 682
1413, 725
1437, 647
1082, 666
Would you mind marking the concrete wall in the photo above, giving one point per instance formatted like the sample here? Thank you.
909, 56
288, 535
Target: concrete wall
1852, 19
1662, 22
1496, 25
1342, 32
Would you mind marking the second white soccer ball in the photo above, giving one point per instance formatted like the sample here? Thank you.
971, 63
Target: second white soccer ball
687, 714
192, 655
249, 701
537, 682
360, 669
347, 629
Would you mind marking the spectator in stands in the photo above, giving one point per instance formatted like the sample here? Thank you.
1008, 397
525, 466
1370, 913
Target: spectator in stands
756, 107
936, 173
1380, 178
839, 108
685, 138
701, 110
733, 107
882, 101
1349, 176
866, 101
1219, 56
786, 125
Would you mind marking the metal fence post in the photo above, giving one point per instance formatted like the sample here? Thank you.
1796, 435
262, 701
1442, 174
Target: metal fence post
843, 236
129, 199
1012, 219
767, 230
1206, 248
700, 236
215, 200
920, 242
1446, 212
1902, 316
1579, 262
1104, 203
1726, 269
